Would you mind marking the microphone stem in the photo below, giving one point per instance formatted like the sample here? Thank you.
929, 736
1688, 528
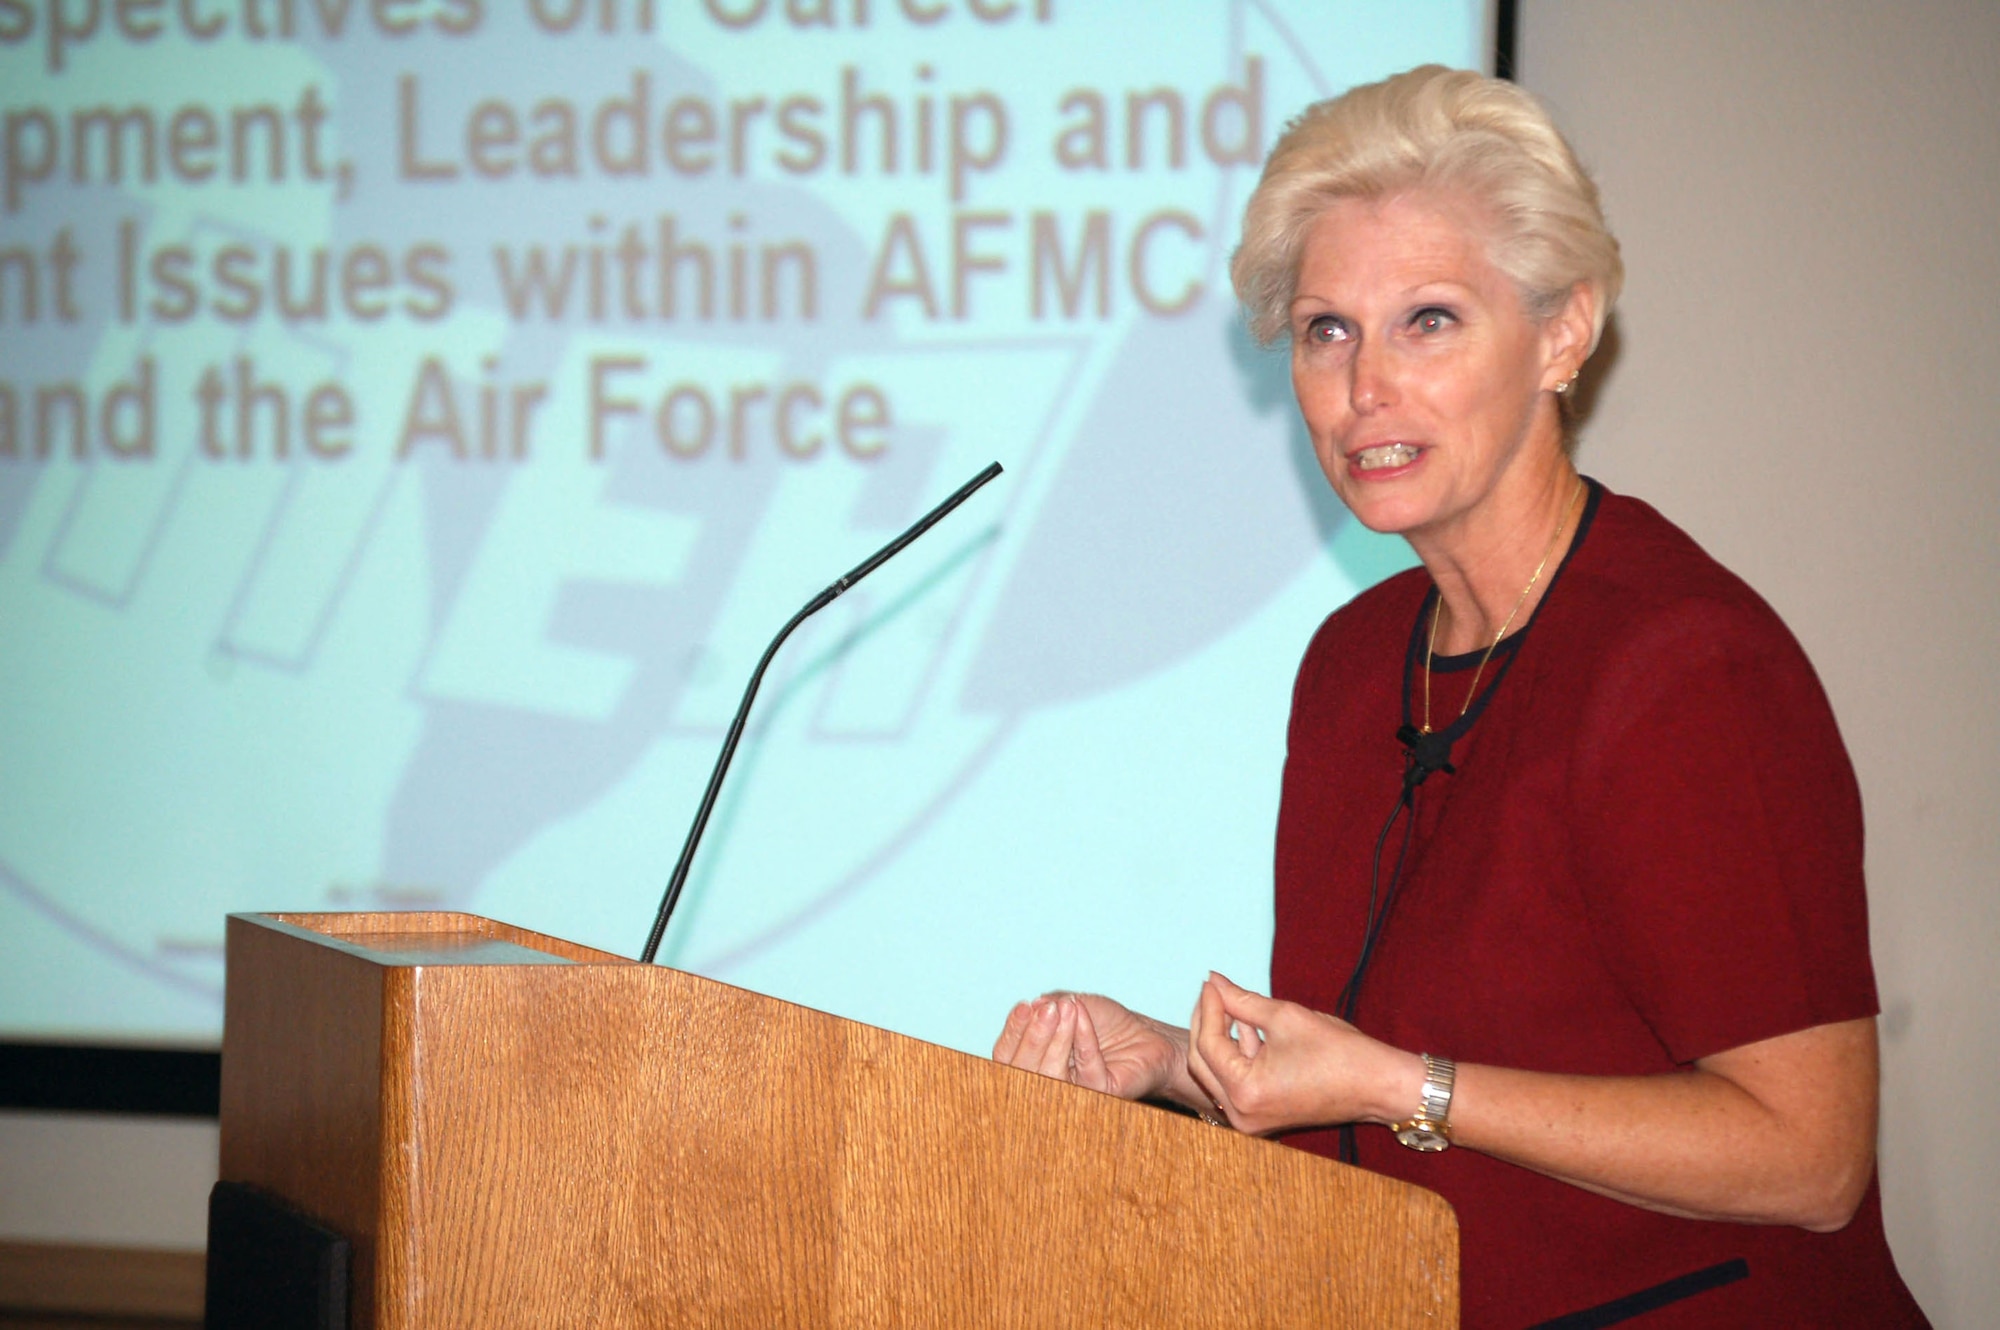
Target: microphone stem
812, 607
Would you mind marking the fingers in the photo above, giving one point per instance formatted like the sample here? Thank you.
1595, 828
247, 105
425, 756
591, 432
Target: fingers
1010, 1034
1035, 1039
1094, 1042
1276, 1065
1207, 1011
1227, 1036
1225, 1041
1248, 1008
1057, 1054
1088, 1067
1040, 1035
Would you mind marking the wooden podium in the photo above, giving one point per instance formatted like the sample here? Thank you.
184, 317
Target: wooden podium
513, 1130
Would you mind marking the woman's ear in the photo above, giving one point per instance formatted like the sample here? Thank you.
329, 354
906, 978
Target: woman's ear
1570, 335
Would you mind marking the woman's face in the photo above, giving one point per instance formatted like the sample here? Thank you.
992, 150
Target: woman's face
1424, 384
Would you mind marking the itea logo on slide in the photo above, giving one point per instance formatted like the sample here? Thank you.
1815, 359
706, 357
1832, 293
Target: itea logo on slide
409, 441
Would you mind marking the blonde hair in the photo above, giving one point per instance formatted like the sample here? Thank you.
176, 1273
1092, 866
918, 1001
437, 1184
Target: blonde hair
1442, 129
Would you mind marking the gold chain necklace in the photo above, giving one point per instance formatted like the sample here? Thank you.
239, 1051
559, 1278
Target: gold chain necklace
1430, 647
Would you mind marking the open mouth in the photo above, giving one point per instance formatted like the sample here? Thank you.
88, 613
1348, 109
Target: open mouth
1385, 455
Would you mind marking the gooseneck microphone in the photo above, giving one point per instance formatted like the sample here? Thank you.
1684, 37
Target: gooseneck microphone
812, 607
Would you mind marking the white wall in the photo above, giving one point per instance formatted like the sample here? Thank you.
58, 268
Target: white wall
106, 1181
1808, 380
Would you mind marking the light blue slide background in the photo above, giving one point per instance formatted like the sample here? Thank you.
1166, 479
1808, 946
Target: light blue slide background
1041, 749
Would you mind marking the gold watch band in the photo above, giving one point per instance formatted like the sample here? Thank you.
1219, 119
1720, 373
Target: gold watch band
1429, 1129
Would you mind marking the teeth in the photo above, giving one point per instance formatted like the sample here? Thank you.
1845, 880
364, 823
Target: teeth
1388, 454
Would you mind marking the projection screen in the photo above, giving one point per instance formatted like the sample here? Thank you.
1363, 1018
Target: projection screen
416, 416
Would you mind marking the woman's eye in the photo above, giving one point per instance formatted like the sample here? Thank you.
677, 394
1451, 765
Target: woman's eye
1326, 328
1432, 320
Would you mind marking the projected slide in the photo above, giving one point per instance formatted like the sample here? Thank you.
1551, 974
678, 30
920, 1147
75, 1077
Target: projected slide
416, 415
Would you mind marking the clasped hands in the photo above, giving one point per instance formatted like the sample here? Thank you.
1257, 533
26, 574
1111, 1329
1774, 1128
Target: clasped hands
1267, 1066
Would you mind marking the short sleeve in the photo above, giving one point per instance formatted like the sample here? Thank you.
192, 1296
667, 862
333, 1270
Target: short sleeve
1718, 834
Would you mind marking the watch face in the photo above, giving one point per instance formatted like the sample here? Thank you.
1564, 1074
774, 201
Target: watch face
1422, 1136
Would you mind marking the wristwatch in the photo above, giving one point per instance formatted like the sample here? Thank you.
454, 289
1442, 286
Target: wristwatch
1430, 1129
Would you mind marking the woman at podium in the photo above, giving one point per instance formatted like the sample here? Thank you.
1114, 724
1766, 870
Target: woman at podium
1570, 920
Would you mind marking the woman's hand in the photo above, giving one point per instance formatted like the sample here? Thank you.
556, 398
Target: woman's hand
1273, 1066
1097, 1043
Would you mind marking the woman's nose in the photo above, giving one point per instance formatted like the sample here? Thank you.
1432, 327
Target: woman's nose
1374, 384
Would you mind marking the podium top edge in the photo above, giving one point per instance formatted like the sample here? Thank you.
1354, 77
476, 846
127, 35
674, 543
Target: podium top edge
430, 937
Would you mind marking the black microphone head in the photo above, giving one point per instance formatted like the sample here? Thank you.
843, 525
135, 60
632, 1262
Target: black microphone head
1425, 753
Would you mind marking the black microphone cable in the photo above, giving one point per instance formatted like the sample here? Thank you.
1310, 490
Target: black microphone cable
1372, 926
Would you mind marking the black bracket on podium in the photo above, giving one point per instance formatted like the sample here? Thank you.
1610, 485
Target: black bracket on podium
271, 1267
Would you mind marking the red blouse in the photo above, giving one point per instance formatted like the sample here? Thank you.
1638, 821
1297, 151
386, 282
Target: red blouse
1649, 851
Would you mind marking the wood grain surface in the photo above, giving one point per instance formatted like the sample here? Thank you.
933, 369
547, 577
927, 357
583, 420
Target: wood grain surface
609, 1144
100, 1282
